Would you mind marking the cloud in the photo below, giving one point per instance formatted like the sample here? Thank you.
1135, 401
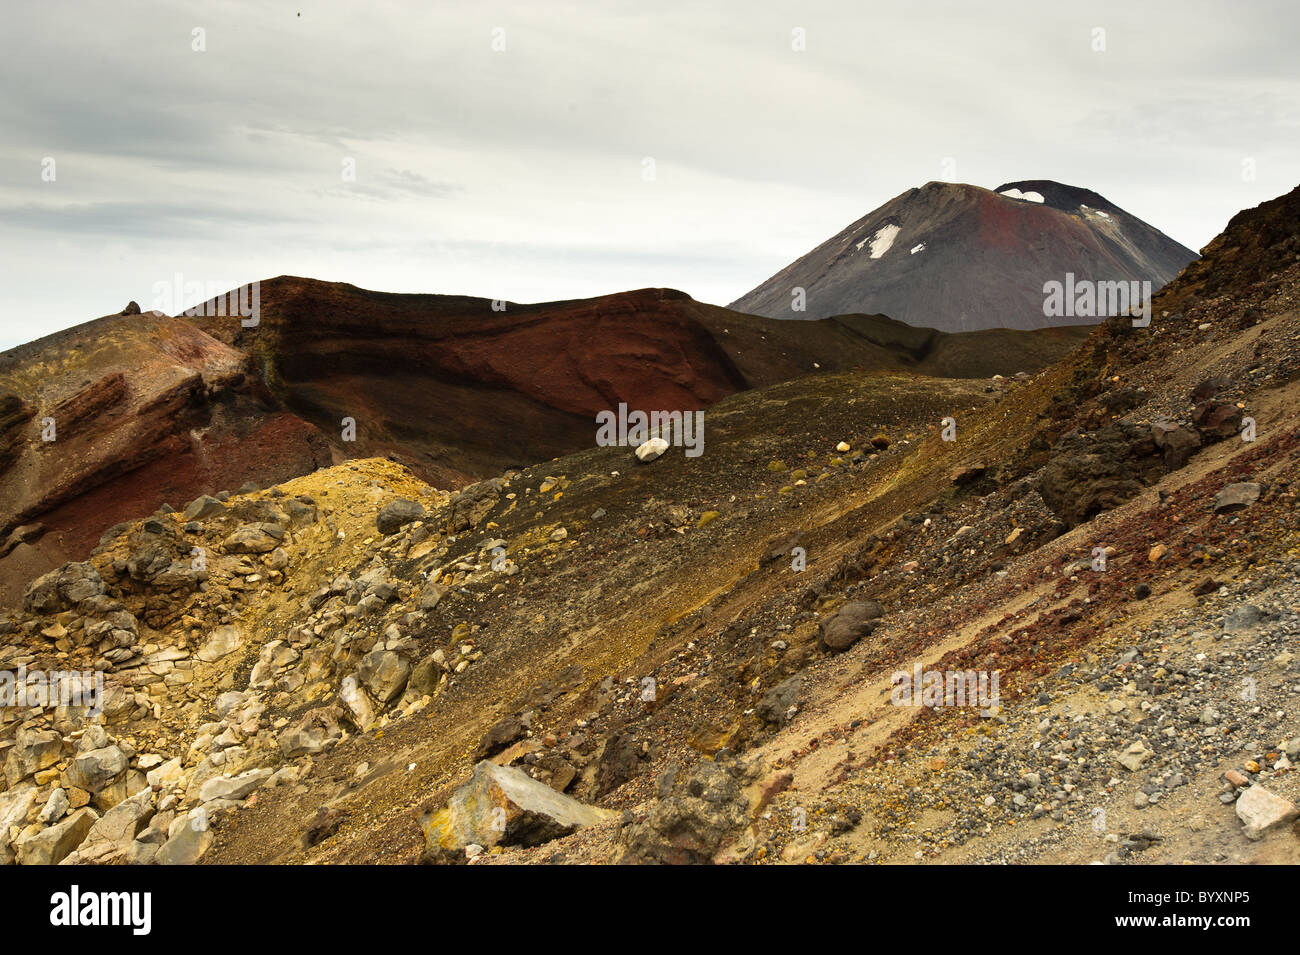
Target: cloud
519, 173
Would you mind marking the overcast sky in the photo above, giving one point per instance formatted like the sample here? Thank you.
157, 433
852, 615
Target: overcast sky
522, 172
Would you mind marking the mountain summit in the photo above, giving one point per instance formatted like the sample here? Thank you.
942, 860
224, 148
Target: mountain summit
958, 257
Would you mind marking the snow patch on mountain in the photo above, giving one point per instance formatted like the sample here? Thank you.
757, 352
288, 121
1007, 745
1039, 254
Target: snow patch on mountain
1025, 196
882, 240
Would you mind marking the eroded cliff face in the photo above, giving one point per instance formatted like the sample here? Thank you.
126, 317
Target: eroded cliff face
127, 413
150, 410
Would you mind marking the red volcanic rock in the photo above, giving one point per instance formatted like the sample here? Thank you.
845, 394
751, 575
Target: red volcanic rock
145, 409
149, 409
458, 390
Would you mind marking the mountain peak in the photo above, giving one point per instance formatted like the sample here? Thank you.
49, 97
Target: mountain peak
959, 257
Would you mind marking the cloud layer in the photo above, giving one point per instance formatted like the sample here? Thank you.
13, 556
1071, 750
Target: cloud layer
524, 172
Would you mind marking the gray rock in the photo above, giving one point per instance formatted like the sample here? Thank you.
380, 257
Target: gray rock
425, 677
395, 515
501, 805
313, 733
1234, 497
234, 787
56, 807
384, 674
95, 770
776, 702
1243, 618
63, 587
430, 594
1176, 442
258, 538
693, 818
203, 506
849, 624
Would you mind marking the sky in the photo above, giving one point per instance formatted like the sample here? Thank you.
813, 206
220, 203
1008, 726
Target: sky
538, 150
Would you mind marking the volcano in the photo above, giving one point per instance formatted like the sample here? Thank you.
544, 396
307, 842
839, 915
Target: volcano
149, 409
958, 257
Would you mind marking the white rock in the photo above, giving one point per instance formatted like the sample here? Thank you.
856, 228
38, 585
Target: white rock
651, 449
1261, 810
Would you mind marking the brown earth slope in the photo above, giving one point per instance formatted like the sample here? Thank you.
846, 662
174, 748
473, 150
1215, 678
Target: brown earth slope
152, 410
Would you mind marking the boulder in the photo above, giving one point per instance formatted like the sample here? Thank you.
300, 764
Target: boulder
313, 733
95, 770
1089, 474
234, 787
1217, 420
468, 506
51, 846
112, 834
1234, 497
186, 845
56, 807
500, 735
501, 805
33, 750
425, 677
395, 515
225, 640
384, 674
359, 708
695, 815
1260, 810
63, 587
259, 538
849, 624
430, 594
776, 702
201, 507
1175, 442
15, 804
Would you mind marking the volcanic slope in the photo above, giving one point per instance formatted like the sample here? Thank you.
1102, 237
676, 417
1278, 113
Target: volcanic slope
958, 257
1100, 536
149, 410
457, 389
